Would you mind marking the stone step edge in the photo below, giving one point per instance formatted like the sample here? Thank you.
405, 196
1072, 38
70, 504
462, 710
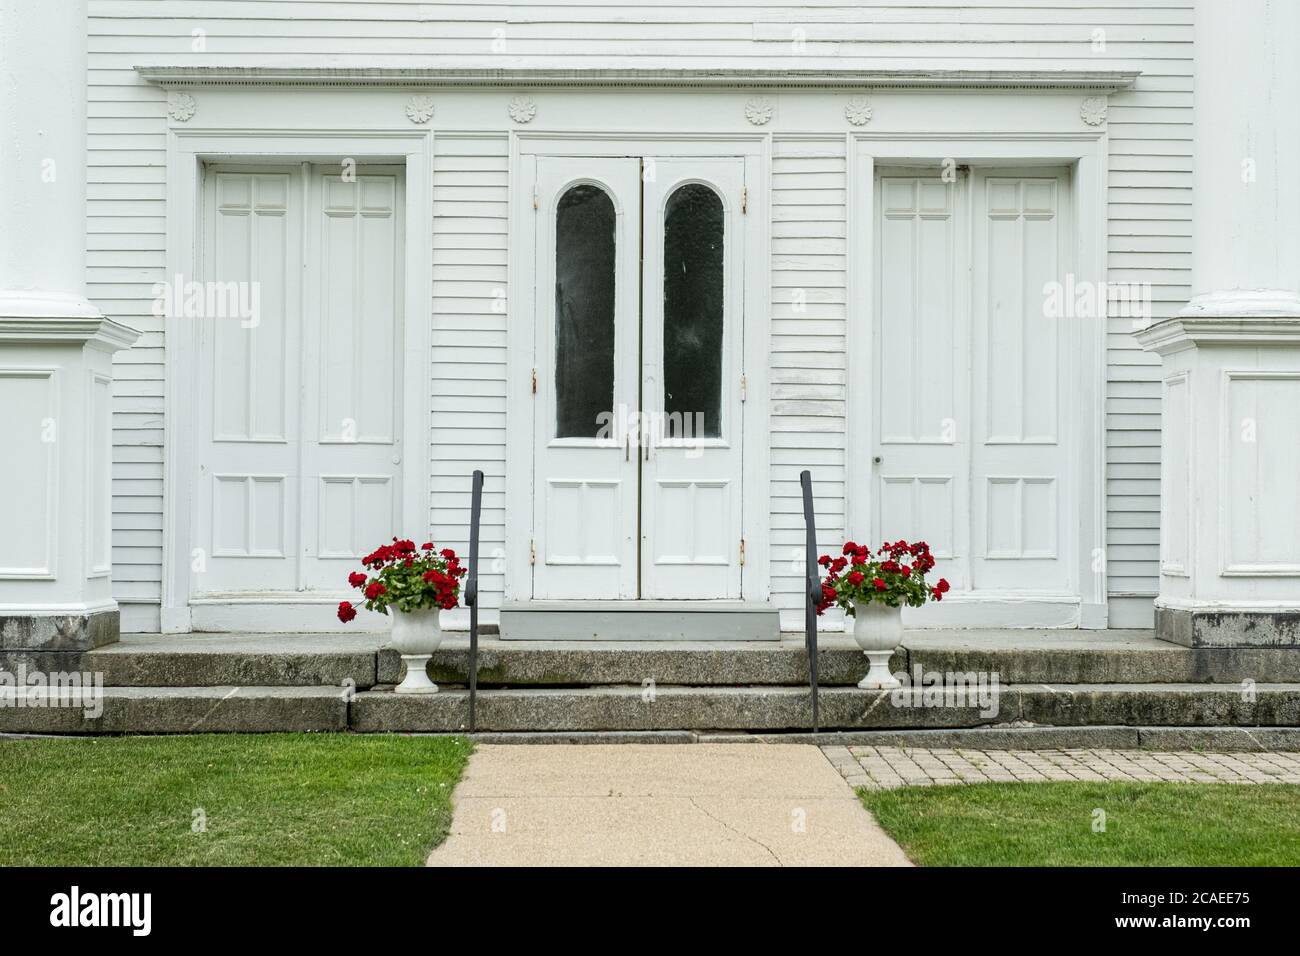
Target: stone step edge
518, 667
1164, 739
1225, 739
630, 708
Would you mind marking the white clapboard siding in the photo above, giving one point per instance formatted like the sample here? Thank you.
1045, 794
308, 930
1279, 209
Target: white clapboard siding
469, 345
807, 390
1149, 214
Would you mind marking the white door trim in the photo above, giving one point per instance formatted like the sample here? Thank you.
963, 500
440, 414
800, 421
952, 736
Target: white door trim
525, 147
187, 150
1086, 152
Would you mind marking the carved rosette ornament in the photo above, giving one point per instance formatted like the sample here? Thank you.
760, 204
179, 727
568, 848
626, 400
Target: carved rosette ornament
1093, 110
180, 106
522, 109
858, 111
419, 109
758, 110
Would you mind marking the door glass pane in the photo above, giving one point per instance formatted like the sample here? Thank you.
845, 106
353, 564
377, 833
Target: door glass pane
584, 311
693, 290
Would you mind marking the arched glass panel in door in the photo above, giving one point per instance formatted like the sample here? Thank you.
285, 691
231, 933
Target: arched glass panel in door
693, 300
584, 310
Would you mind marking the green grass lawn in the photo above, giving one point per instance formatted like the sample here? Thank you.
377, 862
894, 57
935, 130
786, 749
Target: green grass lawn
1052, 824
227, 800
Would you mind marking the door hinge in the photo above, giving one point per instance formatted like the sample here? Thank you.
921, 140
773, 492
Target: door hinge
744, 200
742, 552
532, 551
534, 381
537, 203
744, 388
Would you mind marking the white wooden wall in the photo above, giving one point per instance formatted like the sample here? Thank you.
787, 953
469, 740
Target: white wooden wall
1149, 240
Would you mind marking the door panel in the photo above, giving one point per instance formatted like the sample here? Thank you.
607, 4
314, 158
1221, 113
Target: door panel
921, 340
352, 361
247, 482
587, 285
300, 409
1020, 460
692, 322
972, 383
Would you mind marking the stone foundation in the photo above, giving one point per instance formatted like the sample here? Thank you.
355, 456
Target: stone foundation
1228, 628
33, 636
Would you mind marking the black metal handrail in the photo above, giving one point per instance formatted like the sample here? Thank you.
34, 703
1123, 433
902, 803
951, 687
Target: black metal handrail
813, 591
471, 589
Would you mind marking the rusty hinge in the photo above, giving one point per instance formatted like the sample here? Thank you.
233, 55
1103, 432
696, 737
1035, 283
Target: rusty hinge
744, 200
534, 381
532, 551
744, 387
742, 552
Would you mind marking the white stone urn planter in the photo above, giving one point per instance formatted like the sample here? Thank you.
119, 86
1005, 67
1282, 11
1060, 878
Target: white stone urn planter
878, 629
416, 635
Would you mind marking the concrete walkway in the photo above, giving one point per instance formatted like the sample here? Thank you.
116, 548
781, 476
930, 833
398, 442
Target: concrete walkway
659, 804
884, 768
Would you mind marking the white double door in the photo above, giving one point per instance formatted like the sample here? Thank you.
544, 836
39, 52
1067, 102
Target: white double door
639, 378
297, 437
977, 384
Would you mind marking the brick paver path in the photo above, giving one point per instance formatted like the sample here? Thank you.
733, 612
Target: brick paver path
883, 768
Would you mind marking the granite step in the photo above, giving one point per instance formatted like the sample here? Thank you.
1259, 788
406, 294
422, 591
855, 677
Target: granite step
173, 710
643, 708
772, 709
636, 708
361, 660
218, 660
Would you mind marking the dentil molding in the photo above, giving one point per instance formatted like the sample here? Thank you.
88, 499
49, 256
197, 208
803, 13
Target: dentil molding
1099, 81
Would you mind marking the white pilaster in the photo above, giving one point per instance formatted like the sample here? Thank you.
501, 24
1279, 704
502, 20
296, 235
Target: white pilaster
55, 347
1230, 508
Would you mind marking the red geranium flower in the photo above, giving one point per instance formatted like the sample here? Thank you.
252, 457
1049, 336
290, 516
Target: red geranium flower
356, 579
346, 611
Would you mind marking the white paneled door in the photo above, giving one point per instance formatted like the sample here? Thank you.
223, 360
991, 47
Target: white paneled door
298, 432
638, 385
974, 390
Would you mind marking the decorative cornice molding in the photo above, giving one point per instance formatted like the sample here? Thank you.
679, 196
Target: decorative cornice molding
1184, 332
1100, 81
419, 109
100, 332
